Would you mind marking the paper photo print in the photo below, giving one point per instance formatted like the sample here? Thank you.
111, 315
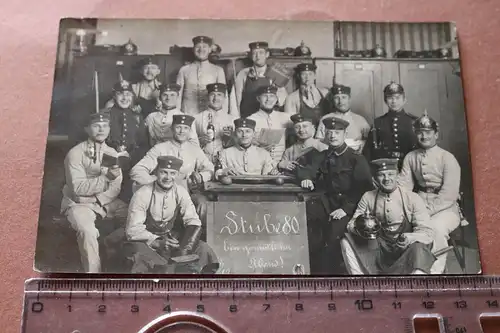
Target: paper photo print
257, 147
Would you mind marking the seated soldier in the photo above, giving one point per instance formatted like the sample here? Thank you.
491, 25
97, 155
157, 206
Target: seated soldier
304, 132
196, 168
162, 223
91, 189
405, 238
434, 174
244, 158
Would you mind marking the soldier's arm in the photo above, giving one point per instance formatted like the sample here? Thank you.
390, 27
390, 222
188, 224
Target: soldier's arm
285, 158
309, 169
78, 180
268, 164
405, 177
362, 181
135, 229
368, 146
193, 136
239, 83
282, 94
204, 166
290, 105
365, 131
141, 172
320, 131
180, 82
422, 227
450, 190
112, 192
187, 208
360, 210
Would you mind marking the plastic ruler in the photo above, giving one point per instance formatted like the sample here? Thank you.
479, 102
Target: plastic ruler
362, 304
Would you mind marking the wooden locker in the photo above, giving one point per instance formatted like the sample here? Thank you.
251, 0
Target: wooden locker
367, 80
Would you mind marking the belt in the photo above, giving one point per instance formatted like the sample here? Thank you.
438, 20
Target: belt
434, 190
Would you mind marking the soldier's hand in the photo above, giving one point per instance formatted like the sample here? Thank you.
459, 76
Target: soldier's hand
136, 108
171, 243
403, 241
231, 172
274, 172
288, 165
113, 173
337, 214
196, 177
85, 200
307, 184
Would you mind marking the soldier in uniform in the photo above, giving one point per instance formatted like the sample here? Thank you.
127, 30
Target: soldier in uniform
403, 245
91, 189
193, 78
244, 158
159, 123
345, 177
303, 125
434, 174
146, 91
308, 100
163, 223
391, 135
196, 168
214, 126
250, 80
128, 135
357, 132
272, 122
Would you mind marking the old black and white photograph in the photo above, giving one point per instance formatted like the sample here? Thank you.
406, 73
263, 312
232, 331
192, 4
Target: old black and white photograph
257, 147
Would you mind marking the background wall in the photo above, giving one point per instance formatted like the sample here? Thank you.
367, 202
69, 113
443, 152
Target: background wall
157, 36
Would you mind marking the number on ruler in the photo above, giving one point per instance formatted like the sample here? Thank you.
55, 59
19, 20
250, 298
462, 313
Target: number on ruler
37, 307
101, 308
492, 303
266, 306
461, 304
364, 304
332, 307
134, 308
233, 308
200, 308
460, 329
299, 307
70, 308
428, 304
396, 305
167, 308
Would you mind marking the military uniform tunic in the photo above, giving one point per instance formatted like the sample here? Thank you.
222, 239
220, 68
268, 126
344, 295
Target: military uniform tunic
159, 125
308, 102
147, 94
297, 150
127, 130
193, 79
391, 136
251, 161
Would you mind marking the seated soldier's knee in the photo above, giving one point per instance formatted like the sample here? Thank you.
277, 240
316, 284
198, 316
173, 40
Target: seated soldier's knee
82, 219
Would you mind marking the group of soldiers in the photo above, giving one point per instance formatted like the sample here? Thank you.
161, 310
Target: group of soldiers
154, 146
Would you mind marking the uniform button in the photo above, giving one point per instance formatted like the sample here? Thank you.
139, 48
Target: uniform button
395, 130
395, 135
397, 147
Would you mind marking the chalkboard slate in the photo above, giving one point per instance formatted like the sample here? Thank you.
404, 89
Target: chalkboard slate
259, 237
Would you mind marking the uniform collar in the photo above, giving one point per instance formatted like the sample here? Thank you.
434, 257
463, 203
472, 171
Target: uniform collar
240, 148
342, 114
201, 63
429, 150
165, 111
339, 150
178, 144
159, 189
213, 110
101, 145
394, 114
307, 143
264, 113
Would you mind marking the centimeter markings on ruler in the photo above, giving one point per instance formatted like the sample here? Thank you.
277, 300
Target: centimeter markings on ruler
459, 301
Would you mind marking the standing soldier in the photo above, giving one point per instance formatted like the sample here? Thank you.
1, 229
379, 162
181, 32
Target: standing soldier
308, 100
159, 123
250, 80
128, 134
304, 131
340, 99
193, 78
91, 189
214, 126
272, 126
434, 173
345, 177
391, 135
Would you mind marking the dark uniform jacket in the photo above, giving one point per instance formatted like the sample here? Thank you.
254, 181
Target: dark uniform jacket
343, 175
391, 136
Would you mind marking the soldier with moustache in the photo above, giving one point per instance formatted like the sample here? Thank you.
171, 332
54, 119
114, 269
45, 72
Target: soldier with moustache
193, 78
163, 223
434, 174
249, 81
93, 183
303, 125
308, 100
196, 167
344, 176
244, 158
391, 135
268, 119
405, 240
214, 126
339, 100
159, 123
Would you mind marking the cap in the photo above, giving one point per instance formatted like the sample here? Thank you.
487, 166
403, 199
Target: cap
267, 89
147, 61
338, 89
169, 87
335, 123
382, 164
393, 88
169, 162
244, 122
202, 39
98, 117
216, 87
258, 45
425, 123
306, 67
122, 85
183, 119
298, 118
